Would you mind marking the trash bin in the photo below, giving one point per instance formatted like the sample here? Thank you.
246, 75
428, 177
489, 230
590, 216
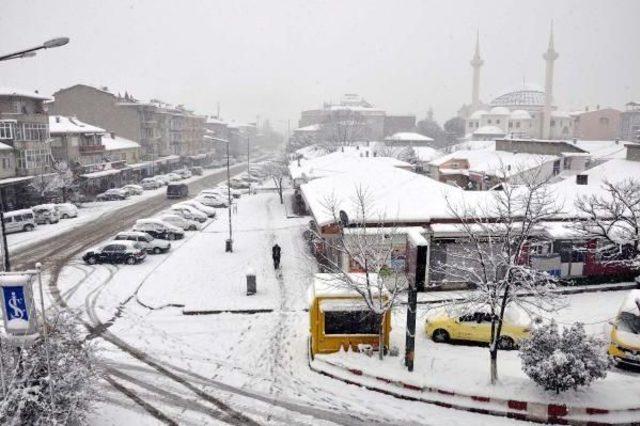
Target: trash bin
251, 284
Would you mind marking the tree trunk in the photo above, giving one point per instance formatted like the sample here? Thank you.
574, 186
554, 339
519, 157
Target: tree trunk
281, 197
381, 337
494, 365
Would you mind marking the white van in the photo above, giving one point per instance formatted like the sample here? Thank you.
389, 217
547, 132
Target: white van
19, 220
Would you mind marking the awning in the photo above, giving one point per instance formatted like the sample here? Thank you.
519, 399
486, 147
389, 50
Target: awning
14, 180
101, 173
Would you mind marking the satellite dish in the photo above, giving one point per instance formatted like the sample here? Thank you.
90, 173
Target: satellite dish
344, 219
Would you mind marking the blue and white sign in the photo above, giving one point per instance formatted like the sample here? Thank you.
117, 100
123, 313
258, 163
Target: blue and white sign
17, 304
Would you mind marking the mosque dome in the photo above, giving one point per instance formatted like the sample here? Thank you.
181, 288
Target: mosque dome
500, 110
528, 97
520, 114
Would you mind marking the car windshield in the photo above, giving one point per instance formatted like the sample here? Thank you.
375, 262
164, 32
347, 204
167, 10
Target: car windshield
629, 322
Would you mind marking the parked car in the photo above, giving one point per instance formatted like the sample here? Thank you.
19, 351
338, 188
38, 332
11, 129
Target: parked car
150, 183
234, 192
198, 171
213, 191
45, 213
144, 240
128, 252
162, 179
209, 211
174, 177
212, 200
180, 222
239, 184
189, 213
19, 220
184, 173
625, 334
132, 189
66, 210
443, 327
159, 229
110, 196
177, 190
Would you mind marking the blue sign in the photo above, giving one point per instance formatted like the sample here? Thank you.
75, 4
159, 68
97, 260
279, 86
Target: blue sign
15, 304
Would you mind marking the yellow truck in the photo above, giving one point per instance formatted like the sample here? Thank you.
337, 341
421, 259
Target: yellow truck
625, 335
340, 318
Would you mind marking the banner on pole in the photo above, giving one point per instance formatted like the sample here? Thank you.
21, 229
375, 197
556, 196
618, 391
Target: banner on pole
18, 310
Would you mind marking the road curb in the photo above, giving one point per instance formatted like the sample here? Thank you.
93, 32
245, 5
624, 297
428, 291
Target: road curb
510, 408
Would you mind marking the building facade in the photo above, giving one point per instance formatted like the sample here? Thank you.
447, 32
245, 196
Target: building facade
599, 125
630, 122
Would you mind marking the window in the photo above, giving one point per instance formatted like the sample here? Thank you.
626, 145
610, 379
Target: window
35, 132
471, 124
351, 322
498, 121
6, 130
33, 158
511, 124
556, 167
582, 179
566, 163
570, 251
517, 124
489, 121
6, 163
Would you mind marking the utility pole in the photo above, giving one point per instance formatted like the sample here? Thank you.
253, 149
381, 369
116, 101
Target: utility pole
229, 242
423, 254
5, 245
248, 164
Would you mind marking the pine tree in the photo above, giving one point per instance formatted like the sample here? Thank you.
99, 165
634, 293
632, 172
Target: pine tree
564, 360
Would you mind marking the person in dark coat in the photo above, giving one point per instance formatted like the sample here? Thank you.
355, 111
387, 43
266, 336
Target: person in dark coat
275, 255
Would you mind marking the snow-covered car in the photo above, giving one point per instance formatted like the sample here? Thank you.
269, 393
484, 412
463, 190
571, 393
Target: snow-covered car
209, 211
110, 197
189, 212
127, 252
159, 229
150, 183
132, 189
173, 177
234, 192
117, 191
45, 213
144, 240
215, 191
239, 184
66, 210
180, 222
198, 171
212, 200
184, 173
162, 179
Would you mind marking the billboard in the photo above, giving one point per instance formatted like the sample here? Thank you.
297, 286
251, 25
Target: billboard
18, 310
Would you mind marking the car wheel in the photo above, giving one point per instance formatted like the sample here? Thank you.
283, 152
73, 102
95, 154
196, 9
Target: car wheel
157, 250
28, 228
65, 216
440, 336
506, 343
92, 260
171, 237
130, 260
49, 221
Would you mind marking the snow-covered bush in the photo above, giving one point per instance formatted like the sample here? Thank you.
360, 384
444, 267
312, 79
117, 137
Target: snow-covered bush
28, 400
564, 360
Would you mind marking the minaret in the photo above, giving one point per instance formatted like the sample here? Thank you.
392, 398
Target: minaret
549, 56
476, 63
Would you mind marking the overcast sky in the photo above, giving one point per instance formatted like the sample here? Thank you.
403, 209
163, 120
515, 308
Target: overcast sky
275, 58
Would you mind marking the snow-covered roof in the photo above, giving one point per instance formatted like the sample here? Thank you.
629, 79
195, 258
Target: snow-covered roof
101, 173
603, 150
489, 130
8, 91
333, 285
499, 110
426, 153
492, 162
114, 142
560, 114
478, 114
214, 120
310, 128
62, 124
341, 162
527, 96
520, 114
4, 146
408, 136
471, 144
394, 196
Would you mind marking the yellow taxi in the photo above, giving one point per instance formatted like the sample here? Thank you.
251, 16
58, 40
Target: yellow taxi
443, 327
625, 335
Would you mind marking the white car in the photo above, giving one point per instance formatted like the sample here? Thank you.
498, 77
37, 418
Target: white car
184, 173
235, 193
144, 240
189, 212
117, 192
180, 222
212, 200
66, 210
162, 179
173, 177
209, 211
150, 183
159, 229
133, 189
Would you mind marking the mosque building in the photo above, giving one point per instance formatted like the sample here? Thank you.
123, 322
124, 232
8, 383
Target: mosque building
527, 112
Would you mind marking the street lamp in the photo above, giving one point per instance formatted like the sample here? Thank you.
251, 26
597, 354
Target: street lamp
27, 53
228, 246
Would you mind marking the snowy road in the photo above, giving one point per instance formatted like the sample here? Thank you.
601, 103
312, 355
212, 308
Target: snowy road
225, 368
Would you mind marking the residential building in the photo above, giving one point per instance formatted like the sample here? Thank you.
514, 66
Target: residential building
216, 131
161, 129
117, 148
600, 124
408, 139
630, 122
74, 142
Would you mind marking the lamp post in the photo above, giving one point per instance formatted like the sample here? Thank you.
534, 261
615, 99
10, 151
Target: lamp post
248, 165
27, 53
228, 247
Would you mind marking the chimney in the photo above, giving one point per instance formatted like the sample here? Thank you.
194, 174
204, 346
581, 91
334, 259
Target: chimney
575, 141
113, 135
57, 118
582, 179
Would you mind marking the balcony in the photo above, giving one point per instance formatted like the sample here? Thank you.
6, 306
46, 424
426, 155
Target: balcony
91, 149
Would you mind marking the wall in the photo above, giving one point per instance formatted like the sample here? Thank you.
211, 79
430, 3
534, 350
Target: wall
630, 121
535, 147
602, 125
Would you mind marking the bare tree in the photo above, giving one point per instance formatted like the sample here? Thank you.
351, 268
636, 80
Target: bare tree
402, 153
369, 250
613, 219
342, 127
499, 237
278, 171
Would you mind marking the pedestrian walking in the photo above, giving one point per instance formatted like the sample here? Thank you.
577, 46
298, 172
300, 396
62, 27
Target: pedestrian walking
275, 255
